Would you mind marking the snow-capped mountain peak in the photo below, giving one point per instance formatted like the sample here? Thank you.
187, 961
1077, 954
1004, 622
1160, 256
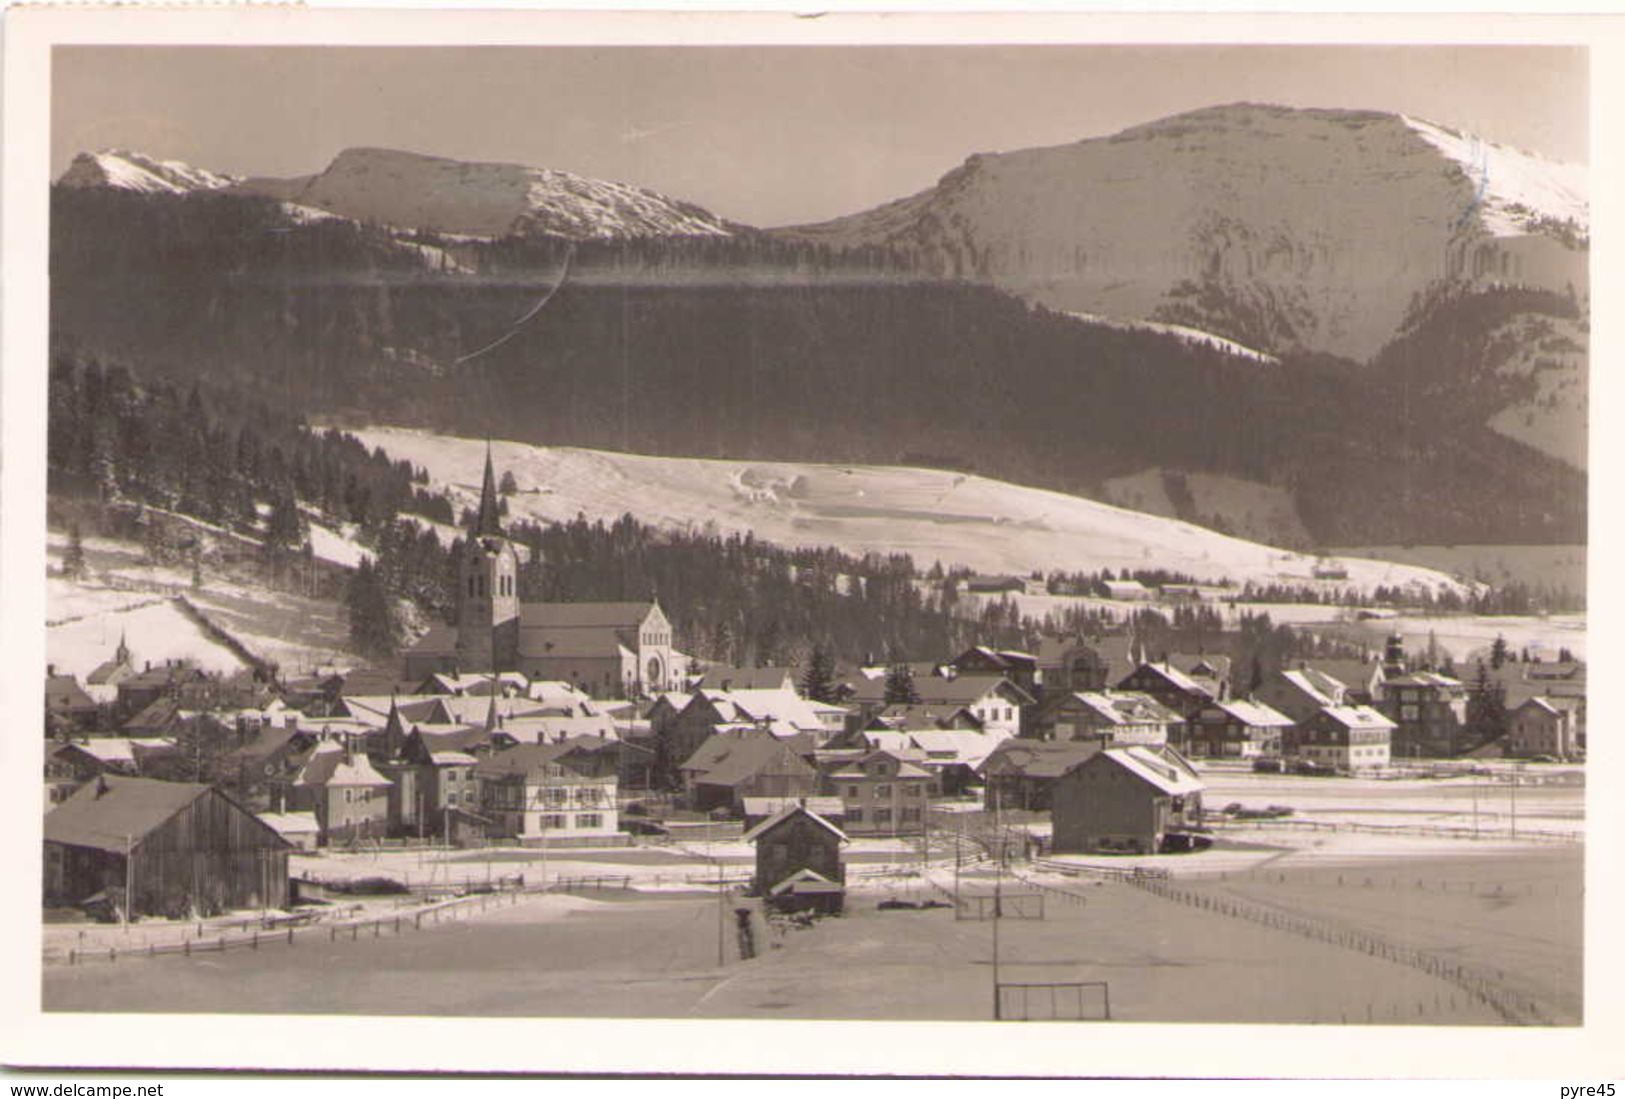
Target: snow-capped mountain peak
1282, 229
1517, 189
123, 170
416, 191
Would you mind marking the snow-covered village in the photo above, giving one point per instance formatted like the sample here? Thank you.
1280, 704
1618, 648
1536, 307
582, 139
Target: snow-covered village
476, 589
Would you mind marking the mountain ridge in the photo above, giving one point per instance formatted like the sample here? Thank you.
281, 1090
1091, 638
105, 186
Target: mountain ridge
1218, 219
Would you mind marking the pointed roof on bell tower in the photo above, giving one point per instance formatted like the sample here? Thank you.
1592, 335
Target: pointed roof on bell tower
488, 523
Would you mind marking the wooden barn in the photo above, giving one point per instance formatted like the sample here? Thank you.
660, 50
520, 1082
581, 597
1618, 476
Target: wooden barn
798, 861
178, 847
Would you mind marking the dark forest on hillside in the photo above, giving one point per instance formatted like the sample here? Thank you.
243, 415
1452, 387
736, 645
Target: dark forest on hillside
757, 348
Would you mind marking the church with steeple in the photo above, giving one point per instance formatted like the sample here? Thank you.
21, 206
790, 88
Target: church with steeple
606, 649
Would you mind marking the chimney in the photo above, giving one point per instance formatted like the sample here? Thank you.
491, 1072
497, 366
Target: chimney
101, 785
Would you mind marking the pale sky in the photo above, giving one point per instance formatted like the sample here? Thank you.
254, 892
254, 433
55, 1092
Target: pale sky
763, 135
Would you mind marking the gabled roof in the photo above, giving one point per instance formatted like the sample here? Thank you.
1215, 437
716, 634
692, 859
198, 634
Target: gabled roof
291, 824
453, 739
923, 715
1358, 717
1253, 713
1313, 685
783, 815
578, 642
953, 746
1039, 759
907, 765
1126, 708
115, 813
740, 679
576, 616
728, 760
327, 766
534, 730
1171, 674
63, 694
805, 881
529, 761
963, 690
1425, 679
1147, 765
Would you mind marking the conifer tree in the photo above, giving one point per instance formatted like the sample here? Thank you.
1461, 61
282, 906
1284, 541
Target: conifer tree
818, 681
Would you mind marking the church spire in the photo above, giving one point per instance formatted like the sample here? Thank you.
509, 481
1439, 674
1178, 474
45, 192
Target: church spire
488, 524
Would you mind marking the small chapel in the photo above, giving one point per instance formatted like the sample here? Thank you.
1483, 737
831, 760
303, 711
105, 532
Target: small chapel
609, 650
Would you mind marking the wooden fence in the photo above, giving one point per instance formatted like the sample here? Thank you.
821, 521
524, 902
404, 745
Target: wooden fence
1508, 1005
289, 933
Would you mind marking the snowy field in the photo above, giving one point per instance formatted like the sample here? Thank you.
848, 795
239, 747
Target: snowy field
123, 594
934, 515
616, 954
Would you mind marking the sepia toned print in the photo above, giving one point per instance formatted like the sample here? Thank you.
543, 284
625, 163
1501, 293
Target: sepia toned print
1028, 533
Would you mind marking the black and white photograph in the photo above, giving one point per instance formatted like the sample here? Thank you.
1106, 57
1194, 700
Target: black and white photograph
818, 526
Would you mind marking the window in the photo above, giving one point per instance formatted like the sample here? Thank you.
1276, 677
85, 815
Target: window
589, 820
451, 799
882, 816
854, 816
911, 815
913, 790
883, 790
553, 820
853, 792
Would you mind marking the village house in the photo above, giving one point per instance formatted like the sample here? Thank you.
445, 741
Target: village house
1018, 667
1021, 773
725, 678
542, 794
1429, 711
180, 849
1236, 728
345, 791
1116, 717
1126, 590
745, 763
1300, 692
952, 757
992, 699
81, 760
883, 793
1179, 691
1544, 727
798, 861
139, 691
1343, 738
1126, 800
1081, 664
782, 713
68, 708
995, 585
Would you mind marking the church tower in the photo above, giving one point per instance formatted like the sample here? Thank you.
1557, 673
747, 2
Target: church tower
487, 589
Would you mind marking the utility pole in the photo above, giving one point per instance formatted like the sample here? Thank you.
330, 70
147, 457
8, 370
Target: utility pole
129, 879
1516, 770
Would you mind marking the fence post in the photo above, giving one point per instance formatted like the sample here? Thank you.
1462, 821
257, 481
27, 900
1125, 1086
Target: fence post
290, 936
256, 943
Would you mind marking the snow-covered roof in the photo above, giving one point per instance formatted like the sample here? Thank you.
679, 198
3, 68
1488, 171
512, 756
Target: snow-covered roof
291, 824
1358, 717
1253, 713
785, 814
1126, 707
1159, 772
